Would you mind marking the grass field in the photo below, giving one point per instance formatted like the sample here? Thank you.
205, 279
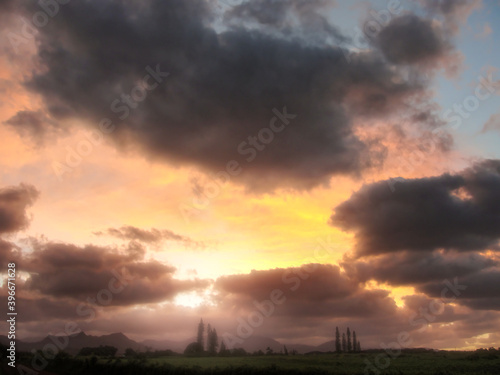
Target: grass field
377, 363
406, 363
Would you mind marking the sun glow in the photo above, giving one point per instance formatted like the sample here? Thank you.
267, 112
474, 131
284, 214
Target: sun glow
190, 299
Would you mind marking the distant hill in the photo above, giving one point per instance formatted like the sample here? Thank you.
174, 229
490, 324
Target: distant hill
79, 341
301, 348
122, 342
328, 346
20, 345
255, 343
251, 344
176, 346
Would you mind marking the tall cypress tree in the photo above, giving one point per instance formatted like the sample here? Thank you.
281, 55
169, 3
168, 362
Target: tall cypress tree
209, 336
223, 350
354, 342
349, 342
213, 343
338, 348
201, 333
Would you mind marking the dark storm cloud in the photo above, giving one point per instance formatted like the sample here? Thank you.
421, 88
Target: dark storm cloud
410, 39
222, 87
53, 256
313, 290
452, 211
484, 303
46, 309
6, 5
409, 268
153, 235
82, 284
68, 271
33, 124
14, 201
480, 291
258, 284
8, 253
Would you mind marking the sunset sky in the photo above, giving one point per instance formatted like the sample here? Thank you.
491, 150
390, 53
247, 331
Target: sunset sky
216, 153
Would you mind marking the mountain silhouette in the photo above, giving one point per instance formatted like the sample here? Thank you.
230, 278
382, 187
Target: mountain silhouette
73, 344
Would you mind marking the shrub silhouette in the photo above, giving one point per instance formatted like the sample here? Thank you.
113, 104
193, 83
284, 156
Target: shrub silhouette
194, 349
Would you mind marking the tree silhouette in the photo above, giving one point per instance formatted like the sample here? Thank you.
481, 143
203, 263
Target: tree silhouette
344, 343
349, 342
102, 350
359, 346
223, 350
193, 349
212, 341
354, 342
215, 340
239, 352
201, 332
129, 352
338, 348
285, 350
209, 335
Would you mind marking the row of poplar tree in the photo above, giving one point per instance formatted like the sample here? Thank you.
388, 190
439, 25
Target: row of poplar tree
347, 344
212, 341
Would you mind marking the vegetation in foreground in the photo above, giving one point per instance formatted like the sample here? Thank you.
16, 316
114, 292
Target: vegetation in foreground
408, 362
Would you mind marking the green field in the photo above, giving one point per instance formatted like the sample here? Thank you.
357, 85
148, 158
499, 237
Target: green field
421, 363
323, 361
432, 363
413, 363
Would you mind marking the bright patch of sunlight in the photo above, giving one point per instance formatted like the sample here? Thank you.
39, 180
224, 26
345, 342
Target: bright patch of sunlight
190, 299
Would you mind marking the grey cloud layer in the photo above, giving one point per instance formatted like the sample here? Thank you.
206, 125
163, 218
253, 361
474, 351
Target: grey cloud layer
410, 39
413, 269
152, 236
13, 204
221, 89
428, 230
33, 124
453, 211
223, 85
68, 271
313, 290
